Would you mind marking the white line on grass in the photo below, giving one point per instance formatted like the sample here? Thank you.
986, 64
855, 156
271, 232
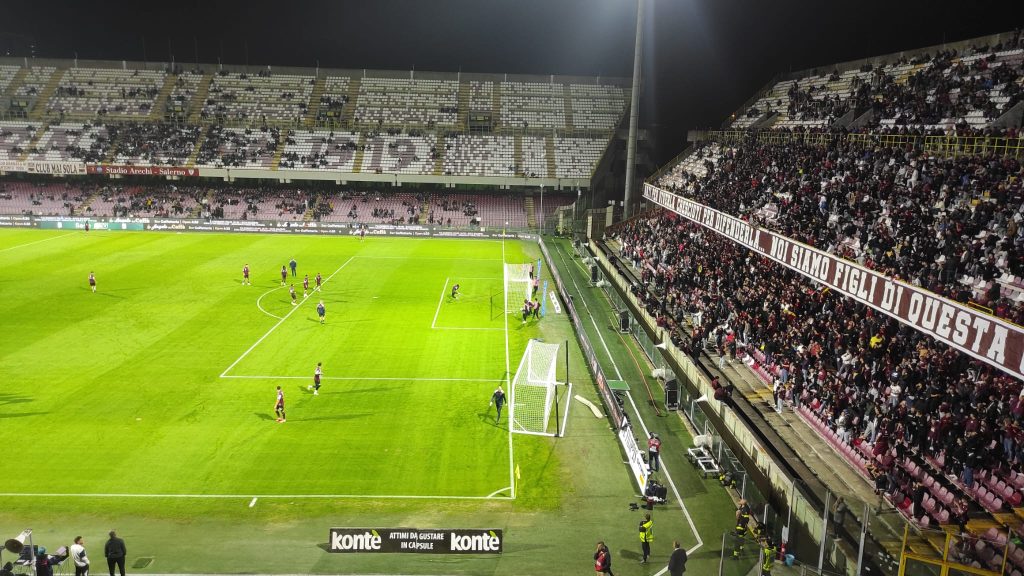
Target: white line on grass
679, 498
668, 477
508, 382
496, 492
618, 375
440, 301
36, 242
243, 496
279, 322
467, 328
414, 257
261, 307
253, 502
386, 379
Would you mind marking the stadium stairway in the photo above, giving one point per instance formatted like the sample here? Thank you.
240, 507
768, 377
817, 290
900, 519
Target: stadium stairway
311, 209
39, 110
348, 113
198, 210
531, 212
568, 107
81, 209
282, 140
496, 105
198, 101
160, 104
517, 152
199, 145
313, 110
463, 100
549, 150
357, 162
439, 161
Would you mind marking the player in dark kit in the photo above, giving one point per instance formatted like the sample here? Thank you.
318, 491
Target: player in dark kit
321, 311
498, 400
319, 281
305, 286
316, 378
92, 281
527, 308
245, 275
279, 405
291, 290
284, 275
362, 232
293, 264
455, 291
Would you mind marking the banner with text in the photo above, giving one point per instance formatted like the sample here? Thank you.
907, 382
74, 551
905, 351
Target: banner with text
56, 168
980, 335
122, 170
384, 540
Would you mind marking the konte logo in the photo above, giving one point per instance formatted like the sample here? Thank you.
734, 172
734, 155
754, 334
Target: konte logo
366, 541
485, 542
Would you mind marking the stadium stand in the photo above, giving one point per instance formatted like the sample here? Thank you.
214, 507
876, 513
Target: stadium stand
393, 102
937, 432
935, 91
85, 93
260, 98
82, 142
533, 105
319, 150
157, 144
240, 147
577, 157
15, 138
479, 155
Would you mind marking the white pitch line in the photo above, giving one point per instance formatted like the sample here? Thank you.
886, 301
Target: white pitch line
279, 322
618, 375
36, 242
427, 258
253, 502
496, 492
440, 301
243, 496
508, 375
261, 307
682, 505
383, 379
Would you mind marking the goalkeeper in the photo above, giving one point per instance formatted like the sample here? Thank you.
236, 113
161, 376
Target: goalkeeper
498, 400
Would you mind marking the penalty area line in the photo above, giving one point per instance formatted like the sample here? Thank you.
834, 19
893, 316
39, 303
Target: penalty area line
36, 242
260, 299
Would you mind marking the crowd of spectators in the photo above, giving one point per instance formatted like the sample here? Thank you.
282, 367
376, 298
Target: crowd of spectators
941, 86
158, 143
945, 224
870, 378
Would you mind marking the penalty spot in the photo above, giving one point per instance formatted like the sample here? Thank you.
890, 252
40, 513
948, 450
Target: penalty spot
253, 501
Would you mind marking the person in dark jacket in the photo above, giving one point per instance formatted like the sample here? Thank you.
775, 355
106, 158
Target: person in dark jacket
115, 551
677, 561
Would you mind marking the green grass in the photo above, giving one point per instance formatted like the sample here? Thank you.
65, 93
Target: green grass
162, 384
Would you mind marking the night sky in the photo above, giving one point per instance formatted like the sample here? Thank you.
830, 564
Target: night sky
703, 58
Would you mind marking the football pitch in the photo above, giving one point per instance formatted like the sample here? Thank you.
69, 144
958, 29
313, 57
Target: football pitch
175, 363
148, 406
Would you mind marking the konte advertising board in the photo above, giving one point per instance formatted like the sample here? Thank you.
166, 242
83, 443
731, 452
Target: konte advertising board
380, 540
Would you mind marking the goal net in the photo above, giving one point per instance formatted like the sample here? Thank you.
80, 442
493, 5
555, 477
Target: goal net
533, 390
517, 287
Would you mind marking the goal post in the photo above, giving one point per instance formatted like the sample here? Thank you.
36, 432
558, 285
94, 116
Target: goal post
517, 287
533, 402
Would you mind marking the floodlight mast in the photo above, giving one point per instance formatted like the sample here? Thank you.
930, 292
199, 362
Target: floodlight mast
634, 113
